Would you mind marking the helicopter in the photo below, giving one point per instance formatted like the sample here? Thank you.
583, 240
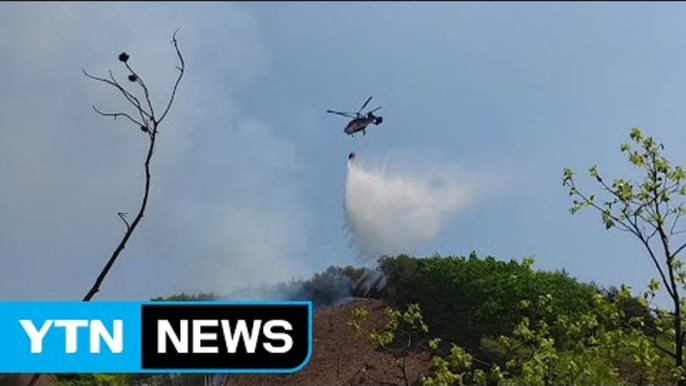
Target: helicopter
359, 121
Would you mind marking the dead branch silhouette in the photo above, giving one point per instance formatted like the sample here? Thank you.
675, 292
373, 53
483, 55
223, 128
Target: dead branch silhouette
148, 123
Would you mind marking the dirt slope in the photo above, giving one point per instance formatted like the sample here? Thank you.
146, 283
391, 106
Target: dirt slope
23, 379
340, 357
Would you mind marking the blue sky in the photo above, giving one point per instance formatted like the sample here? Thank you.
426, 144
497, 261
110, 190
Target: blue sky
250, 171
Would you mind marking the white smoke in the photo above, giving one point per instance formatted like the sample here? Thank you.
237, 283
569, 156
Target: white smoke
388, 213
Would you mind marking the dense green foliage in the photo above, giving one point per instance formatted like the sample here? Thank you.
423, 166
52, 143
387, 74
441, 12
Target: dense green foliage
469, 298
599, 348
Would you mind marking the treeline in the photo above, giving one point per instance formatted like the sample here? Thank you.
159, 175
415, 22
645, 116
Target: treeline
330, 287
467, 298
464, 298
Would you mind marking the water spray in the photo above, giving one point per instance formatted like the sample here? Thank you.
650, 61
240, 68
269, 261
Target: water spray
391, 213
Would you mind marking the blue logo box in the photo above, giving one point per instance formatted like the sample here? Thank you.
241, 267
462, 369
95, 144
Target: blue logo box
80, 337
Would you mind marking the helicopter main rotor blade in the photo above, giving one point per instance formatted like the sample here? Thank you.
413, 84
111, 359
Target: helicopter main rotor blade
375, 109
347, 115
364, 105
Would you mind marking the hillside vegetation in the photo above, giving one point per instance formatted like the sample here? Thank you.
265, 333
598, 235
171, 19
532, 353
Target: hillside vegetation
466, 300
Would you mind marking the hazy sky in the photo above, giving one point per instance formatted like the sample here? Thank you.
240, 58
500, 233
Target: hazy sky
250, 170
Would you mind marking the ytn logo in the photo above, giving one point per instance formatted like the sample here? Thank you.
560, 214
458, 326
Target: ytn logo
97, 332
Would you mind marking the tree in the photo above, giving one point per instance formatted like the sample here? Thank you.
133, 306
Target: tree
600, 352
398, 338
597, 347
649, 209
148, 122
467, 297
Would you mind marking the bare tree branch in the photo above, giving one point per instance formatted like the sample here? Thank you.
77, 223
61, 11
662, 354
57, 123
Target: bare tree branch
115, 115
140, 82
122, 216
148, 124
178, 80
664, 350
129, 97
